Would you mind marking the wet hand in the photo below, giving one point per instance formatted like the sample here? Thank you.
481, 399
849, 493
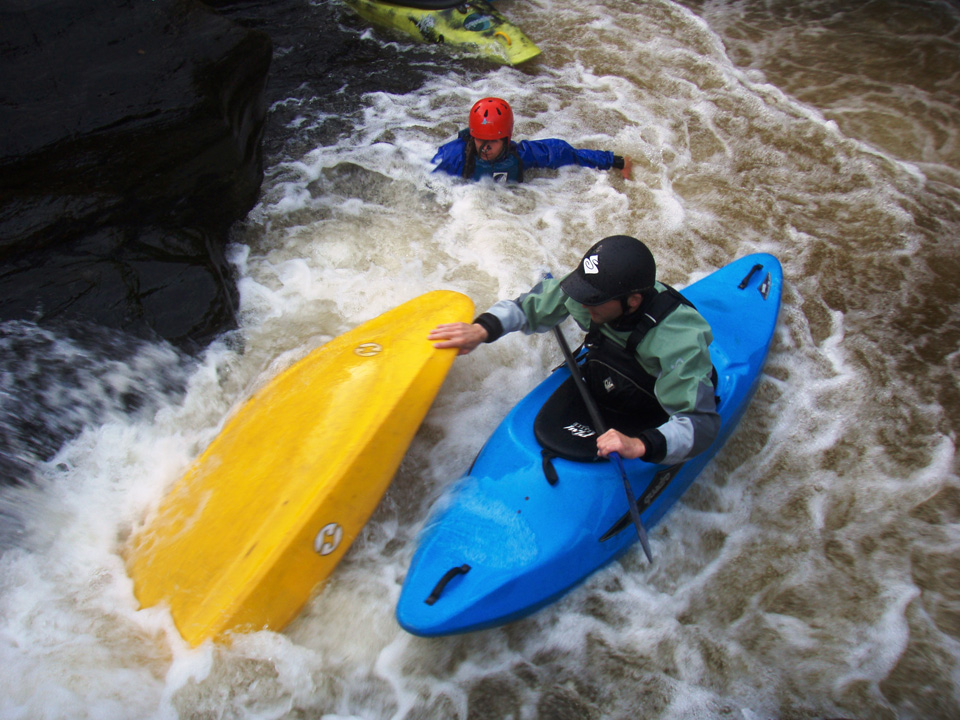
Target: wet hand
614, 441
462, 336
627, 169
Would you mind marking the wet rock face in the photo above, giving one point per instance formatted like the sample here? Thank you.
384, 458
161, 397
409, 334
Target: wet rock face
131, 142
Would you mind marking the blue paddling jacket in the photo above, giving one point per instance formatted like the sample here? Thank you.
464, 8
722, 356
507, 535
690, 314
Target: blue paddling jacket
551, 153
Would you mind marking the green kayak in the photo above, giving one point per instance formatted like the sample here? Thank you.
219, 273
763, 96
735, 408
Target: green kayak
473, 25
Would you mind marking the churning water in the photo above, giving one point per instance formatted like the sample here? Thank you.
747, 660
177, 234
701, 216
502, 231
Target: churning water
814, 568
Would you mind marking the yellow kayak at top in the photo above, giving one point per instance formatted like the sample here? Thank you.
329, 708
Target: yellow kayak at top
270, 507
471, 24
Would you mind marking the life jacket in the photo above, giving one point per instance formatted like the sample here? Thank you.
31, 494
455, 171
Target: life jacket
616, 380
507, 168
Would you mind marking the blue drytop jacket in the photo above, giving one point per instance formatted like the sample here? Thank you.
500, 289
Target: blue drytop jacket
550, 153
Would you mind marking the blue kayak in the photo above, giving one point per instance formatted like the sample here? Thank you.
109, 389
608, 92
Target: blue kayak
524, 526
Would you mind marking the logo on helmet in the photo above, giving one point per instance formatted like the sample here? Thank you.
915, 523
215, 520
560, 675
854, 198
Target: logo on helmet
590, 265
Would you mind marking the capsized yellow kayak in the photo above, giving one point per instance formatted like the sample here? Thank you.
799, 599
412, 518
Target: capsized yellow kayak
268, 510
473, 25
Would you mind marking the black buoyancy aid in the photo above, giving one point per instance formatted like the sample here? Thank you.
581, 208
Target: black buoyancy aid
615, 377
507, 168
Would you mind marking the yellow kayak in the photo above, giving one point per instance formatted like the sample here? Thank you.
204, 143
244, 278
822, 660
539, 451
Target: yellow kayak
472, 24
268, 510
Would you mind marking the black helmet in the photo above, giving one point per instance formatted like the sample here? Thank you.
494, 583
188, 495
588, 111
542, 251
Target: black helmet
615, 267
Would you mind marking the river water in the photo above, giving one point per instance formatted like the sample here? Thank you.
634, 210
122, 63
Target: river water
811, 572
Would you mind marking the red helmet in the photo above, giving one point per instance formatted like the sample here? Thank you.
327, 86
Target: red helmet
491, 119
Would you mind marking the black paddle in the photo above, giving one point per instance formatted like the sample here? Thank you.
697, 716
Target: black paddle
601, 428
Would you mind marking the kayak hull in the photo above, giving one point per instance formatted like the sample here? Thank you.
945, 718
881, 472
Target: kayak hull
473, 25
272, 505
508, 541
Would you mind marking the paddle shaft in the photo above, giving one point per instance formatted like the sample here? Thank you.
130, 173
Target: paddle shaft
601, 428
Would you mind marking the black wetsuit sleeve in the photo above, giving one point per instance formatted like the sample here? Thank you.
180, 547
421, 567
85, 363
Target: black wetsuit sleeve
490, 323
656, 445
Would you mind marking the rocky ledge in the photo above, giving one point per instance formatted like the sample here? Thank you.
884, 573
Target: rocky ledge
131, 143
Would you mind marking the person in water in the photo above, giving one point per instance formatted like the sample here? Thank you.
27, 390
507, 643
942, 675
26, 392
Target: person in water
647, 348
485, 149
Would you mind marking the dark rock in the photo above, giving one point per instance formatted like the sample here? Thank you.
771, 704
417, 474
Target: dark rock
325, 62
131, 143
153, 282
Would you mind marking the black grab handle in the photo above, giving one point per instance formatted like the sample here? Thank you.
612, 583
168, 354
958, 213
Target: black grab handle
447, 577
743, 283
549, 471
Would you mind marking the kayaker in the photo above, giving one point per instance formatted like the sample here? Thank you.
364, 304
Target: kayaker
614, 295
486, 149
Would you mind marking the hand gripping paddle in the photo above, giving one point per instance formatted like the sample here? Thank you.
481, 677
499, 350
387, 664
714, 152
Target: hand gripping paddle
601, 428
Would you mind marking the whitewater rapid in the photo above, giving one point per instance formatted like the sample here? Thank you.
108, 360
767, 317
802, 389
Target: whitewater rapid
810, 572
